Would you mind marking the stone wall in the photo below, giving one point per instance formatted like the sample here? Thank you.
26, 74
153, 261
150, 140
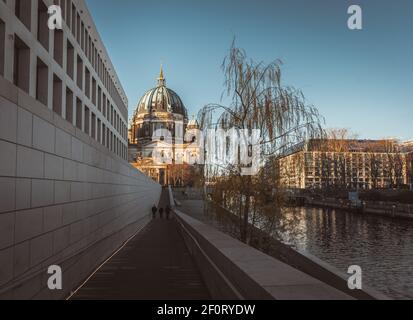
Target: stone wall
233, 270
65, 199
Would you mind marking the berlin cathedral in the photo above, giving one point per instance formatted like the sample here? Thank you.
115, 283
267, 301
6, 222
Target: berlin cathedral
162, 141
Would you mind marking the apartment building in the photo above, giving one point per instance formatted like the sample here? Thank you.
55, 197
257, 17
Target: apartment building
350, 164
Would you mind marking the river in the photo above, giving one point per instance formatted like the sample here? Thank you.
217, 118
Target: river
382, 247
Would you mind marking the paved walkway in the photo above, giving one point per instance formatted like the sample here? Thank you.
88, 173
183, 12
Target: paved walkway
154, 265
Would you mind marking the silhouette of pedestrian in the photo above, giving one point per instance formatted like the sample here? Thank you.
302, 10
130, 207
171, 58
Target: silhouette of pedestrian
154, 209
160, 212
168, 211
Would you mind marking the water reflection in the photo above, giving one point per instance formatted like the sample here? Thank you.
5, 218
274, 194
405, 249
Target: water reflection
383, 247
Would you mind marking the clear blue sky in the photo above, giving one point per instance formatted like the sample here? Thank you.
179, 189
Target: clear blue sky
361, 80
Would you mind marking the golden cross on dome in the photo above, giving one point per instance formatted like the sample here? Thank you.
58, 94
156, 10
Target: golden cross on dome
161, 73
161, 79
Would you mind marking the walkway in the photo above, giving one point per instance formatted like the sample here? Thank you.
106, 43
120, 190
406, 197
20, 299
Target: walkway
154, 265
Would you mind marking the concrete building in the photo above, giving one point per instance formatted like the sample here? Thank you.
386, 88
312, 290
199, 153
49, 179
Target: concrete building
160, 136
350, 164
68, 196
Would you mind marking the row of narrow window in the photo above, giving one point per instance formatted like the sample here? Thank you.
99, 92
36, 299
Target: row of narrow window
84, 80
76, 112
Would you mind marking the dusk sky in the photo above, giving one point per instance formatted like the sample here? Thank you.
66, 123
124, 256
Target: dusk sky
361, 80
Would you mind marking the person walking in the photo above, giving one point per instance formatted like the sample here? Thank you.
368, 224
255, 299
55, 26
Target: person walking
154, 210
168, 211
160, 212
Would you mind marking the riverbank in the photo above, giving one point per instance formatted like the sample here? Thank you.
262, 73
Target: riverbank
304, 262
380, 245
388, 209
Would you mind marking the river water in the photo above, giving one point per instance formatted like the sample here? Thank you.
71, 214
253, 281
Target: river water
382, 247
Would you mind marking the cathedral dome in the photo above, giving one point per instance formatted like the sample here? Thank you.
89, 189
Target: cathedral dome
161, 99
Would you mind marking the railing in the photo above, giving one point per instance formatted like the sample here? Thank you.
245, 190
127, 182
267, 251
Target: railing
391, 209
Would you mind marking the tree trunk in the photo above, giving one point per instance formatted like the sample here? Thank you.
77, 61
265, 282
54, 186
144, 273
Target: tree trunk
246, 211
244, 226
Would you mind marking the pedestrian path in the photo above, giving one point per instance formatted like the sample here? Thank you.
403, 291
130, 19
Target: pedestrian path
154, 265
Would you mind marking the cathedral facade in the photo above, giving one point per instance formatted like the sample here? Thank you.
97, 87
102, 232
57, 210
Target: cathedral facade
162, 140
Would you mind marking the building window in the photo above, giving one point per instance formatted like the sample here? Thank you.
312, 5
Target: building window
63, 6
93, 91
89, 50
111, 115
73, 24
78, 31
69, 105
82, 36
70, 60
79, 113
99, 99
68, 13
99, 130
57, 95
87, 82
42, 82
23, 11
112, 144
86, 45
93, 126
87, 120
58, 47
21, 67
107, 138
79, 73
2, 46
42, 29
104, 104
103, 134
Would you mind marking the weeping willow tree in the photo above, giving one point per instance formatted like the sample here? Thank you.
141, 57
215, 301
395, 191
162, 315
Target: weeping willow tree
257, 101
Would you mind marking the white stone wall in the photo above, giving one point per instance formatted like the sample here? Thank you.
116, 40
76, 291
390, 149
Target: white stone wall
65, 199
